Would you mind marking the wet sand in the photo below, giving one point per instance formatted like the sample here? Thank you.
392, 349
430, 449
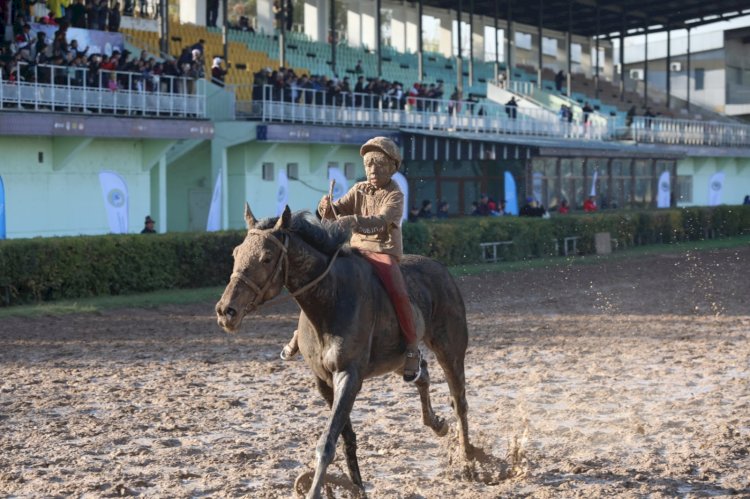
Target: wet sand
616, 379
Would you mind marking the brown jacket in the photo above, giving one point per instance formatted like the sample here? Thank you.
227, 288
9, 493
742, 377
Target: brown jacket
374, 216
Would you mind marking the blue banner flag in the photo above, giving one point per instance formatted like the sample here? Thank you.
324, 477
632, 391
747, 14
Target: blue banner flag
511, 198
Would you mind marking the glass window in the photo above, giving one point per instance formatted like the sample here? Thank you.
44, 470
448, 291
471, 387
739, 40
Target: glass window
292, 171
350, 171
685, 188
268, 171
430, 33
465, 38
549, 46
523, 40
490, 37
575, 52
700, 76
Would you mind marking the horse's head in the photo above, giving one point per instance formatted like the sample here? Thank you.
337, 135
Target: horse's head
257, 275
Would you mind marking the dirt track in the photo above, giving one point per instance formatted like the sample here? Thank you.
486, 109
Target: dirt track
623, 378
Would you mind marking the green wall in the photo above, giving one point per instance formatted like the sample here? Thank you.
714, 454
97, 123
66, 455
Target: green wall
736, 182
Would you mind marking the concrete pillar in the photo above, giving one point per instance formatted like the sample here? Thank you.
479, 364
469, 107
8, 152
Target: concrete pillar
161, 212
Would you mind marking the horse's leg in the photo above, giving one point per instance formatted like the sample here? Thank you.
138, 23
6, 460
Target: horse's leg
452, 363
429, 418
350, 438
346, 386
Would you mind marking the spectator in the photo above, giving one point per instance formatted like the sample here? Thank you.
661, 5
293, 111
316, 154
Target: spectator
559, 79
475, 209
443, 208
563, 209
483, 207
649, 117
25, 39
149, 226
455, 102
587, 110
511, 108
102, 12
629, 117
217, 72
245, 24
426, 211
746, 200
413, 214
213, 12
358, 68
114, 18
78, 15
532, 209
589, 206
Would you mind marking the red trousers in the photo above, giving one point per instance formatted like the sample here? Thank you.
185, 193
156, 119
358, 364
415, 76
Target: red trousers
390, 275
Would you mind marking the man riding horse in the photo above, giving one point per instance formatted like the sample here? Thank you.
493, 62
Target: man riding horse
372, 209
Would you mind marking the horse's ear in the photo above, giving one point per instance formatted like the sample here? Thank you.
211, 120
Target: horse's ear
249, 218
284, 219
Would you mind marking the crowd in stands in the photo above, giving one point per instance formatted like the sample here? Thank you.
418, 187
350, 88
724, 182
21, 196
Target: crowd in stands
286, 85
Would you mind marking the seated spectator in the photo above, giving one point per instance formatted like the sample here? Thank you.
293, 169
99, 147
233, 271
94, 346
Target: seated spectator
564, 208
483, 208
532, 208
413, 214
443, 208
589, 206
426, 211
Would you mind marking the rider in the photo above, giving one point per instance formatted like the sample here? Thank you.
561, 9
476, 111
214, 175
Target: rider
372, 209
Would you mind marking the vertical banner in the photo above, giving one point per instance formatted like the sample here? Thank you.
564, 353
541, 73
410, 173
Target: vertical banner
664, 197
715, 186
214, 212
593, 183
511, 198
342, 185
115, 193
404, 186
282, 192
2, 209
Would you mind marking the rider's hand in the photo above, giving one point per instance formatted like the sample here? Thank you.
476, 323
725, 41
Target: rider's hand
324, 204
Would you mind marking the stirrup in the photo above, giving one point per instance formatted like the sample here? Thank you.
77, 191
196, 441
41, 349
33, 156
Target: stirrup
409, 375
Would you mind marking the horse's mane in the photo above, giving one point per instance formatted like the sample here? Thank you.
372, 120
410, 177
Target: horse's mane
323, 235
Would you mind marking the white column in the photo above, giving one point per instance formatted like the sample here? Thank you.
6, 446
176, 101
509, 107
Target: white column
162, 209
265, 16
193, 12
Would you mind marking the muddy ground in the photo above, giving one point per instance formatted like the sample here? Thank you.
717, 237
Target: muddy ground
620, 378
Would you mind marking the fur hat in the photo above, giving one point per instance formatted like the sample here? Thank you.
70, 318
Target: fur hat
384, 145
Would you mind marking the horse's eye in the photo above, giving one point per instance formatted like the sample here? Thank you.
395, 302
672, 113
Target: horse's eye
265, 259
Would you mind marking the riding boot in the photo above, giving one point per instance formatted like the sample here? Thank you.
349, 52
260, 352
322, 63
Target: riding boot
291, 349
412, 363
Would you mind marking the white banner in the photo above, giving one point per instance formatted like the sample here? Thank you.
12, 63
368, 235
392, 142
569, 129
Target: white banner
536, 186
282, 192
115, 193
715, 186
664, 198
342, 185
399, 178
593, 183
214, 212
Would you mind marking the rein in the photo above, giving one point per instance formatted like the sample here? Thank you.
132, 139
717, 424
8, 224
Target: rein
281, 263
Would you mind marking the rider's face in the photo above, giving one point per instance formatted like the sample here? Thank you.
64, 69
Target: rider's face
378, 169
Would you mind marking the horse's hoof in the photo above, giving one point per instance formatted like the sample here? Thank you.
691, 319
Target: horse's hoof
303, 483
441, 428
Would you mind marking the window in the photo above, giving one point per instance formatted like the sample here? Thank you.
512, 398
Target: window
685, 188
465, 38
430, 33
350, 171
489, 43
549, 46
523, 40
268, 171
700, 76
575, 52
292, 171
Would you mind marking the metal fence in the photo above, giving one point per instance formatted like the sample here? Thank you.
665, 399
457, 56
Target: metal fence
79, 89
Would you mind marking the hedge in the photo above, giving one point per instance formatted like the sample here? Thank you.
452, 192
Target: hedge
43, 269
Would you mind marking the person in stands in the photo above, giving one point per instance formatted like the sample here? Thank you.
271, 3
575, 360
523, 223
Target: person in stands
589, 206
148, 226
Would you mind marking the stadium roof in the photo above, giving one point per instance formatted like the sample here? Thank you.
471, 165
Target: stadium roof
635, 15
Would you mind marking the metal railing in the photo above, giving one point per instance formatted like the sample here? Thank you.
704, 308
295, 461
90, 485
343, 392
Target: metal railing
318, 107
354, 109
79, 89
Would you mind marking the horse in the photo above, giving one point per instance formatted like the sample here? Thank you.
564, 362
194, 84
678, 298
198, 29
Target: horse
348, 330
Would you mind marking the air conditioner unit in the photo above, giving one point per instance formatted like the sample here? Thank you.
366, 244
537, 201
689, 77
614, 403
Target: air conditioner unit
675, 66
636, 74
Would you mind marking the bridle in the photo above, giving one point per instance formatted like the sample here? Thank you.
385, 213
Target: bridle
282, 263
